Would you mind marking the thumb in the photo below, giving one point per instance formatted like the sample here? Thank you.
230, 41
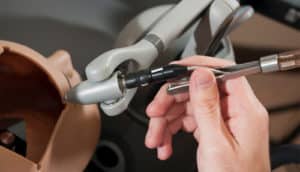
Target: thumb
204, 98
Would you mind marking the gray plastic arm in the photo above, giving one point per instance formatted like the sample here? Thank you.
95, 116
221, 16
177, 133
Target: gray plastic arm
142, 53
170, 27
178, 19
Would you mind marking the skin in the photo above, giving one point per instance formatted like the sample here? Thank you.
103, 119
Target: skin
227, 120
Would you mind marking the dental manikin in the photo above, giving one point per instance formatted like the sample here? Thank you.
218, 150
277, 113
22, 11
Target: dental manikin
60, 136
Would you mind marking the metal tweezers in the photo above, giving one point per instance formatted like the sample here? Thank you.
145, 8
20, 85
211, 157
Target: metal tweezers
221, 74
271, 63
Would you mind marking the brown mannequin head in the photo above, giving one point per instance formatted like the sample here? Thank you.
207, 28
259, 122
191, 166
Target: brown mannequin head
59, 136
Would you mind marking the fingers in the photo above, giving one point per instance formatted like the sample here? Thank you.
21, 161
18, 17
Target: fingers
238, 86
160, 134
188, 124
204, 98
168, 112
246, 119
175, 111
204, 61
155, 133
158, 127
175, 125
162, 102
165, 150
239, 98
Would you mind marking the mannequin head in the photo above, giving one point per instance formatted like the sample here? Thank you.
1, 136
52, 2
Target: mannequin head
32, 89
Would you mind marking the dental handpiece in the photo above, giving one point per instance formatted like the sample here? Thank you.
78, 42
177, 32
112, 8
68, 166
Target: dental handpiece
267, 64
90, 92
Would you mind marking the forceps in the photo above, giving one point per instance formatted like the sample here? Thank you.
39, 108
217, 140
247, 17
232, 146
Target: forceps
272, 63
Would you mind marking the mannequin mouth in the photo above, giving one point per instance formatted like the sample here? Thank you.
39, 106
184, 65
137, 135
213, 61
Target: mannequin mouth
24, 86
28, 94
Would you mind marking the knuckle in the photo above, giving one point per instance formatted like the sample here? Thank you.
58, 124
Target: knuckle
209, 106
189, 108
181, 97
262, 118
263, 114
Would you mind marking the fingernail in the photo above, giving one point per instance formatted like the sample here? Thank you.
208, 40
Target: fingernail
149, 141
149, 134
150, 109
161, 155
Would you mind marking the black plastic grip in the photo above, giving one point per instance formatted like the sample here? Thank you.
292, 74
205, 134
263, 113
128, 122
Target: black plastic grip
161, 74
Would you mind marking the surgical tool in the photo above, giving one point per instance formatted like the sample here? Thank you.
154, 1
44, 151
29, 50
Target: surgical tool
272, 63
178, 76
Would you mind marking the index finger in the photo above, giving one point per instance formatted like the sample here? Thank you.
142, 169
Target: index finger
163, 102
204, 61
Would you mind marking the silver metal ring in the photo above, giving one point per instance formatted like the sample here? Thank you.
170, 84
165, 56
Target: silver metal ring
269, 63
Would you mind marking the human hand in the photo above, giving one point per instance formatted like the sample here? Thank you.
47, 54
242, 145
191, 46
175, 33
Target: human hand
229, 123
